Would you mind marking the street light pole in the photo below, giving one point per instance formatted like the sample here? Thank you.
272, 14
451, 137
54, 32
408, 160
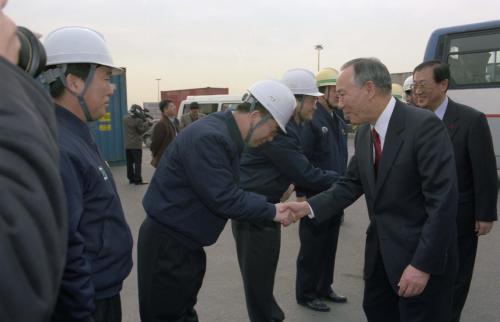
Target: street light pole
158, 88
318, 48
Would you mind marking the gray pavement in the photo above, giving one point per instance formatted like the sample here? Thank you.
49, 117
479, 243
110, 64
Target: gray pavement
221, 297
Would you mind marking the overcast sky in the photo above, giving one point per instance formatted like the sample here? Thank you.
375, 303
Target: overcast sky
233, 43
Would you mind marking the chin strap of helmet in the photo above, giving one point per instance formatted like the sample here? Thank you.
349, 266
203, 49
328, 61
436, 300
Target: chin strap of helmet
299, 108
327, 94
53, 74
252, 101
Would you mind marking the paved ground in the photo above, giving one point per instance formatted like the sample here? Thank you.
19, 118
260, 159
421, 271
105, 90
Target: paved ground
221, 297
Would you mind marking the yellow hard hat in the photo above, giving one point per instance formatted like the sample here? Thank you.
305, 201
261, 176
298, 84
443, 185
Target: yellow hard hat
326, 77
397, 91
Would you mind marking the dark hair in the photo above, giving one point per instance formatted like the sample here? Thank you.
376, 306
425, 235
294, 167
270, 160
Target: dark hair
194, 106
245, 108
164, 103
370, 69
440, 70
56, 88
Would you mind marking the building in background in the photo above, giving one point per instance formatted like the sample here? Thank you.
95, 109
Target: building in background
399, 78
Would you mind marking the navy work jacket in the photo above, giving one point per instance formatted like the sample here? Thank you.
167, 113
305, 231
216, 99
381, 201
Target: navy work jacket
270, 168
100, 243
324, 140
195, 188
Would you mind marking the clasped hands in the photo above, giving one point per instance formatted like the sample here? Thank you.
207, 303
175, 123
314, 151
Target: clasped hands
288, 213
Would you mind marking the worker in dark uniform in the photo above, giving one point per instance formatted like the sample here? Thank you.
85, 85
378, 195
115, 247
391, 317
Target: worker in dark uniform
194, 190
324, 140
99, 254
269, 170
33, 218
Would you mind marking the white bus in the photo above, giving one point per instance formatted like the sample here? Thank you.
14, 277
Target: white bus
473, 53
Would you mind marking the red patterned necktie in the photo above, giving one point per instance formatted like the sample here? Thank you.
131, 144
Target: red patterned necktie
377, 147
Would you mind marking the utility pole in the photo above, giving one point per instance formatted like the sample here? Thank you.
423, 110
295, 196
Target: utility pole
158, 88
318, 48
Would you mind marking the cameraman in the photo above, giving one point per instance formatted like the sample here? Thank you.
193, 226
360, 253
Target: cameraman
135, 124
33, 229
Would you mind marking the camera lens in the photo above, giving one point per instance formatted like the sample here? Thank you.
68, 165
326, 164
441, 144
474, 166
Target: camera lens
32, 57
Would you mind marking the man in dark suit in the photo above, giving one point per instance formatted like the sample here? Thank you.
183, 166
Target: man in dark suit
475, 163
404, 166
164, 131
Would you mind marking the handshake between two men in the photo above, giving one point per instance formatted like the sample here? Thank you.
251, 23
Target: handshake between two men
289, 212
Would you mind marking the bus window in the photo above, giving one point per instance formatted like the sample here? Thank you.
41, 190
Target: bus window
473, 53
474, 59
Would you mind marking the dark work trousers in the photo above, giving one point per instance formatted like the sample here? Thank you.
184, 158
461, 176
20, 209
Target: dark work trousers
169, 275
134, 161
258, 250
108, 309
467, 249
381, 303
316, 259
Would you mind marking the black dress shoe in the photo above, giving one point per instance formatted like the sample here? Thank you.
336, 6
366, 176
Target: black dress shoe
141, 182
316, 305
334, 297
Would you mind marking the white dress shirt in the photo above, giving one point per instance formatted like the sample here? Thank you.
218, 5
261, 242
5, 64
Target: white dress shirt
442, 108
380, 126
382, 123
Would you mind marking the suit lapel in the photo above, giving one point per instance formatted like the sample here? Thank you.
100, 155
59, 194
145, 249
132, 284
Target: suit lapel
364, 154
451, 118
392, 144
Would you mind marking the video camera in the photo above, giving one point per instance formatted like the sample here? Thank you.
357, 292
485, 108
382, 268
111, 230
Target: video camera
32, 56
140, 113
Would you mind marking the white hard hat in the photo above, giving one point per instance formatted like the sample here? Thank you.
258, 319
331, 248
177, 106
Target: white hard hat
301, 82
408, 83
69, 45
276, 98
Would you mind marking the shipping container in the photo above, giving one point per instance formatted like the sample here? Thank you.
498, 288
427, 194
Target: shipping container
108, 130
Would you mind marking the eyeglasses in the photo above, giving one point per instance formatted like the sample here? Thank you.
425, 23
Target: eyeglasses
422, 86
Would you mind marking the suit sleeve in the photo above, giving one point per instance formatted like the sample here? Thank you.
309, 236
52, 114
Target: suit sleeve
159, 134
76, 295
436, 167
483, 164
210, 174
290, 160
341, 194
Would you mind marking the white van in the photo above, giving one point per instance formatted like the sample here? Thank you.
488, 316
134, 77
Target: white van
209, 103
